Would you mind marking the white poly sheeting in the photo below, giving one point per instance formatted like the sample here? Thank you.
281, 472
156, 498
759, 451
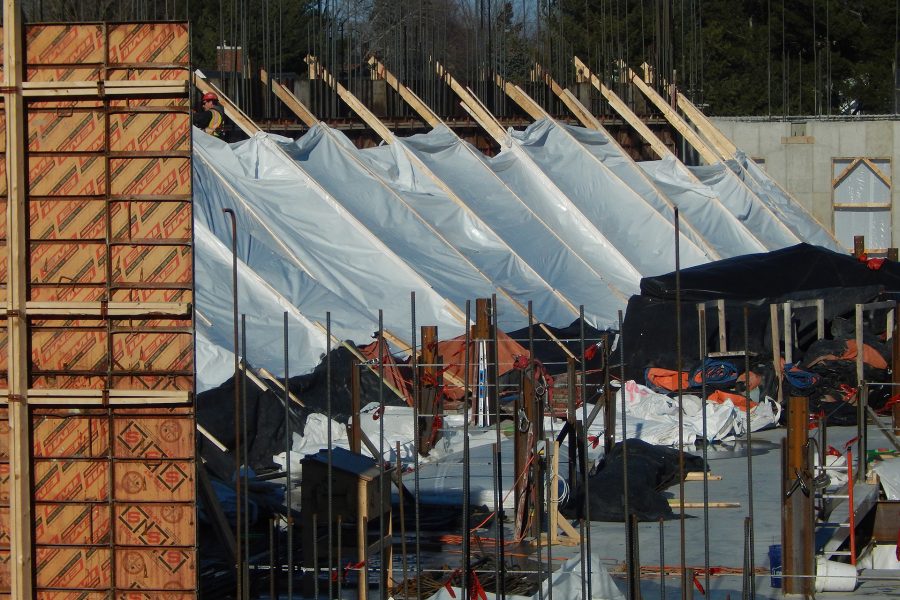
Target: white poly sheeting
702, 206
889, 474
639, 232
265, 310
566, 582
558, 254
745, 205
288, 225
399, 203
791, 212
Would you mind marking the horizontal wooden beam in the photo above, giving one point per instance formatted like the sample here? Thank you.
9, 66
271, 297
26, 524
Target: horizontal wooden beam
108, 309
45, 396
52, 89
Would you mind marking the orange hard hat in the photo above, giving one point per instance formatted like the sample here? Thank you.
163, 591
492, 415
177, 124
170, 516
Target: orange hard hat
209, 96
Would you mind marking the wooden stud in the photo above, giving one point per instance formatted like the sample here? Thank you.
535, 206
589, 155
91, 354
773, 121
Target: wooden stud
20, 514
661, 150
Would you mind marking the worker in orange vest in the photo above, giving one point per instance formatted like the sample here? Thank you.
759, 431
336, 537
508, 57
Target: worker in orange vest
211, 117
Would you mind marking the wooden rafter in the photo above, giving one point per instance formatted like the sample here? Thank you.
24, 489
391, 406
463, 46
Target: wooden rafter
574, 105
231, 110
713, 134
656, 144
352, 101
290, 100
672, 116
471, 105
408, 96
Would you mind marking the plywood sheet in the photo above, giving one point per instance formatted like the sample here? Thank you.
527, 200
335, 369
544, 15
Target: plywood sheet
154, 525
157, 481
73, 568
155, 569
71, 524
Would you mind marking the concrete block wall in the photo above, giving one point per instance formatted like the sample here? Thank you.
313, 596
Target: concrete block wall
798, 154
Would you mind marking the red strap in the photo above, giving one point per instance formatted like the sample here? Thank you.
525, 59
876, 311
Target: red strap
477, 589
378, 412
697, 584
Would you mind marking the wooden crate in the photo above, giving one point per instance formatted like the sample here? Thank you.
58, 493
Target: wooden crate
108, 220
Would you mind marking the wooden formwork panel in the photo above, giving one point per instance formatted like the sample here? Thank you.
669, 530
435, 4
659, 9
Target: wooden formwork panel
109, 218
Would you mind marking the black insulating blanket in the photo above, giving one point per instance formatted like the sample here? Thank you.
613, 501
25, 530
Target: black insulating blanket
651, 469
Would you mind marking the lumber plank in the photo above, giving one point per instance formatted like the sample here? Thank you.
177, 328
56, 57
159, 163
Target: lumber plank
676, 503
672, 116
21, 568
231, 110
698, 476
410, 97
517, 95
111, 309
290, 100
471, 105
715, 136
656, 144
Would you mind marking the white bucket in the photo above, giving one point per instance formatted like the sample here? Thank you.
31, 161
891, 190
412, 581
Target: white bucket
833, 576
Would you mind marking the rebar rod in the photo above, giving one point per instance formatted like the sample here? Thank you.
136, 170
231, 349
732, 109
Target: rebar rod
586, 536
417, 394
288, 485
382, 581
238, 554
330, 457
662, 559
685, 585
535, 469
701, 313
246, 460
495, 351
751, 559
466, 459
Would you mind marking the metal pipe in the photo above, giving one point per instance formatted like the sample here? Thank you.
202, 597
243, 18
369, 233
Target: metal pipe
497, 511
662, 559
315, 553
238, 554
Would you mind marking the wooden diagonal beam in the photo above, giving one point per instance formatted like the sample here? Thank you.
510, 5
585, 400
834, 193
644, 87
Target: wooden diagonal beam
471, 105
525, 102
352, 101
231, 110
408, 96
672, 116
574, 105
656, 144
723, 145
290, 100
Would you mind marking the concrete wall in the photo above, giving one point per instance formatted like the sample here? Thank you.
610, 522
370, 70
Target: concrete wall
798, 155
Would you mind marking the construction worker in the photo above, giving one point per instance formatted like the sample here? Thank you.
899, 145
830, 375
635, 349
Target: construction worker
211, 117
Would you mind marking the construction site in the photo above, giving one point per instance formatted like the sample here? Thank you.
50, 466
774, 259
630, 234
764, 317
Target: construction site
441, 314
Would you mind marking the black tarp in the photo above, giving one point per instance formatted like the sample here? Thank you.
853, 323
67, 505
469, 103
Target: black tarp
651, 469
801, 272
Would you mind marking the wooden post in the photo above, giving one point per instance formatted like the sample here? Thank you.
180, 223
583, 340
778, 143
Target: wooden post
429, 385
859, 245
797, 510
892, 254
21, 565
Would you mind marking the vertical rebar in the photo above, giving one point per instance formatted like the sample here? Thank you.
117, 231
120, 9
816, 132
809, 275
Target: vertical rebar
272, 580
685, 586
315, 559
246, 460
662, 559
382, 578
629, 539
238, 554
416, 434
751, 559
495, 351
586, 557
403, 561
701, 313
329, 490
467, 557
337, 572
535, 469
548, 446
288, 444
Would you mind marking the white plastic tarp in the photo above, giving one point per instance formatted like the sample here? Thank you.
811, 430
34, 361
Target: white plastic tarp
639, 232
745, 205
550, 252
302, 228
438, 236
791, 212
